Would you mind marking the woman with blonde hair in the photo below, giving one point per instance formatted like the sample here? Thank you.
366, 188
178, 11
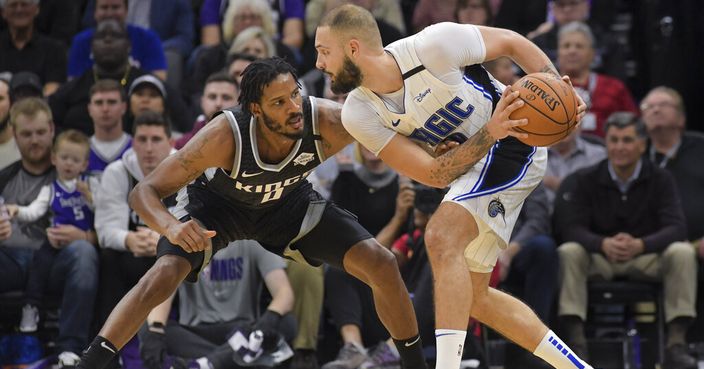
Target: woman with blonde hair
242, 14
253, 41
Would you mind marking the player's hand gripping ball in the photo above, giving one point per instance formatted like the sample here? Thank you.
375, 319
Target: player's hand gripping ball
550, 107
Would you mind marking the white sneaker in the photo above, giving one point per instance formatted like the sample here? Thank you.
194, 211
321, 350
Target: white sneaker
30, 318
68, 360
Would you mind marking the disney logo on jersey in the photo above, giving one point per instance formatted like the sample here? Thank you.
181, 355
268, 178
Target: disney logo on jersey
551, 102
271, 191
420, 96
303, 159
440, 124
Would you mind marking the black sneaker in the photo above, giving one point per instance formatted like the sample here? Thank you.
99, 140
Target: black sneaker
304, 359
677, 357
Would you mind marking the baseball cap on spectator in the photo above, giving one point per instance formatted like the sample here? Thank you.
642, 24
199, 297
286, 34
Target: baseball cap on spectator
25, 84
149, 80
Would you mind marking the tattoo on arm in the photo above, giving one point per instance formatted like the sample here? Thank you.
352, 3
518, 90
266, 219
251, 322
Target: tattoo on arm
549, 68
457, 162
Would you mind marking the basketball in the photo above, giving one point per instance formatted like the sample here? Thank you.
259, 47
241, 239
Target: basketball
550, 107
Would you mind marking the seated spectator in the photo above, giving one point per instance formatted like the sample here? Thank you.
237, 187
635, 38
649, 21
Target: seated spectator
236, 63
602, 94
25, 84
69, 201
372, 192
223, 302
477, 12
568, 156
106, 108
146, 51
73, 276
253, 41
609, 55
239, 16
173, 21
56, 19
111, 53
529, 268
22, 48
220, 92
673, 148
623, 218
290, 14
127, 246
9, 153
110, 50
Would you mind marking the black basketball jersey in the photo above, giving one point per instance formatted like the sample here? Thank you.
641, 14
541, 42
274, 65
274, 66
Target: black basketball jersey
252, 182
257, 200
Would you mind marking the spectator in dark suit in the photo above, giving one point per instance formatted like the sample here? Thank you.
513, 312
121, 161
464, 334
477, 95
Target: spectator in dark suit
623, 217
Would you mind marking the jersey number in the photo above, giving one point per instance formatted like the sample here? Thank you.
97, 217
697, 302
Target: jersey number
78, 213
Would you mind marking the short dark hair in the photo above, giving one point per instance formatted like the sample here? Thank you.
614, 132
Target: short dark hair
221, 76
486, 6
151, 118
623, 119
107, 85
258, 75
239, 56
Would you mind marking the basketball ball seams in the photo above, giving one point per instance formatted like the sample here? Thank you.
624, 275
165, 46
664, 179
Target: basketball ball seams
547, 123
557, 95
535, 108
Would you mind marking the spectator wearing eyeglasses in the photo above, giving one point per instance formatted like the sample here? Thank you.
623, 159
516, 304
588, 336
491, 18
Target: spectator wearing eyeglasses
673, 148
603, 94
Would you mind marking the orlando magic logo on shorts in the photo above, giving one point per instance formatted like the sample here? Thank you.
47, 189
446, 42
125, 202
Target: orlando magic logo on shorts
495, 208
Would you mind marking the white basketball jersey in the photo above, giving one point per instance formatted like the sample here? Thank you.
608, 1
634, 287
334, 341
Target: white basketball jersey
433, 110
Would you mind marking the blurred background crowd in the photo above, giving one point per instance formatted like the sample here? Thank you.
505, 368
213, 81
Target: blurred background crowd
95, 93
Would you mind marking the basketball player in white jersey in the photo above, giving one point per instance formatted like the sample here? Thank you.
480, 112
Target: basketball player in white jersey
428, 89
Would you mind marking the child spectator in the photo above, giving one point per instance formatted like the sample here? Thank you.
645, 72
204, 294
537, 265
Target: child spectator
70, 200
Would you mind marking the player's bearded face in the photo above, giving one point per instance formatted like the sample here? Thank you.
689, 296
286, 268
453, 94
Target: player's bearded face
283, 128
347, 79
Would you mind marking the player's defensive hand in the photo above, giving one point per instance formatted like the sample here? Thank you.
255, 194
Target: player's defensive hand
581, 106
152, 348
190, 236
501, 125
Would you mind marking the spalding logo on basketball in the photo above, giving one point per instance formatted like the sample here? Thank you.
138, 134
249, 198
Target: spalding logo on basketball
550, 107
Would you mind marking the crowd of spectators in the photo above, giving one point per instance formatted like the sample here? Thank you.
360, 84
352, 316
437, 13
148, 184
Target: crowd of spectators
94, 94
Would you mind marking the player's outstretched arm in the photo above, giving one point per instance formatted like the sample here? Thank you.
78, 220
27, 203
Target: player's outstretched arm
408, 159
213, 146
335, 136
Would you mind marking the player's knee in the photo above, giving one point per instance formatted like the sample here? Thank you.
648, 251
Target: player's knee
379, 262
440, 243
160, 281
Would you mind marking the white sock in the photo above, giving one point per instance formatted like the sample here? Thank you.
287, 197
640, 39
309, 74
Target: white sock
449, 344
557, 354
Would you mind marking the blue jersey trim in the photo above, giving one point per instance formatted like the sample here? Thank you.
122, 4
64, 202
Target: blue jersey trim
478, 88
489, 191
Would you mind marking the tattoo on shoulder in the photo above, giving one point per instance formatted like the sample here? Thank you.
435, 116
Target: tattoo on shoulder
460, 160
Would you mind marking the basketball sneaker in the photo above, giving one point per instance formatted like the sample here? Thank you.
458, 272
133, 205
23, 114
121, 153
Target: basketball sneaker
383, 356
30, 318
68, 360
351, 356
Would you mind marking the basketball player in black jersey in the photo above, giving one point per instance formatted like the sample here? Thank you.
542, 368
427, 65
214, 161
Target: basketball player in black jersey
247, 171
